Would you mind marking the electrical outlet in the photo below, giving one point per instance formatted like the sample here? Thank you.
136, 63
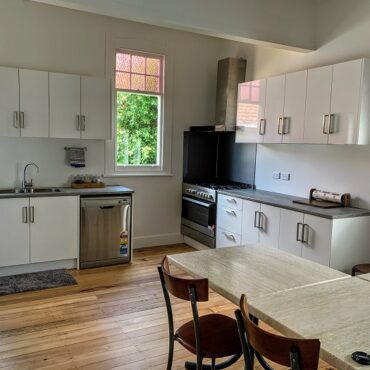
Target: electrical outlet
276, 175
285, 176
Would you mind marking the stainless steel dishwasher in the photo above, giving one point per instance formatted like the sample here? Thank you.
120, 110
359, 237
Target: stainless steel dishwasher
105, 231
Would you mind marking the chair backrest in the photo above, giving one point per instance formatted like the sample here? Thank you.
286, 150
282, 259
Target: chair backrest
179, 287
277, 348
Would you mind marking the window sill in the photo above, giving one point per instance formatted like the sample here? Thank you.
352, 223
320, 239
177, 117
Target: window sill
138, 174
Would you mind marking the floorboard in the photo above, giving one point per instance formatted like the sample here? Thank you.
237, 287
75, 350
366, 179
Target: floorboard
113, 319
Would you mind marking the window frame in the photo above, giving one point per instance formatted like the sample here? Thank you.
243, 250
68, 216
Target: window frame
160, 95
149, 47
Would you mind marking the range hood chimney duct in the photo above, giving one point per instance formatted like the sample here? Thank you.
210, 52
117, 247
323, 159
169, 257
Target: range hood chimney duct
231, 72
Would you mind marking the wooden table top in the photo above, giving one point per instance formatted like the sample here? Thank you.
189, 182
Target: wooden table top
364, 277
295, 296
253, 270
337, 312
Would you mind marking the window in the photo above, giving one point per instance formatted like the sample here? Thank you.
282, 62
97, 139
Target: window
139, 79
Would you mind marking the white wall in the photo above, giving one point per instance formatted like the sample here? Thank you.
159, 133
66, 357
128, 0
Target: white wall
262, 21
343, 31
44, 37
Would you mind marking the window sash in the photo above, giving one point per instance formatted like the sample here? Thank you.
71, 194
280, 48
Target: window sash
142, 167
145, 55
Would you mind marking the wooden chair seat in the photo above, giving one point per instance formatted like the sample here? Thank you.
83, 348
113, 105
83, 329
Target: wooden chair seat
363, 268
220, 336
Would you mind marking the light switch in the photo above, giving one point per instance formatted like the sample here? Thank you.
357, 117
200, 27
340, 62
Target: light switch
285, 176
276, 175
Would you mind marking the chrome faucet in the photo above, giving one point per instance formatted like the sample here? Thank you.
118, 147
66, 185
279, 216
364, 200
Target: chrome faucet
27, 186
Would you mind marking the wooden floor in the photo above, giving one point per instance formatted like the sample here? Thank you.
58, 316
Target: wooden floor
113, 319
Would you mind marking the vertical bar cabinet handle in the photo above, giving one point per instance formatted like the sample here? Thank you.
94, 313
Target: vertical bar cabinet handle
24, 215
280, 132
21, 118
304, 234
32, 214
331, 123
262, 124
16, 119
325, 116
78, 122
297, 234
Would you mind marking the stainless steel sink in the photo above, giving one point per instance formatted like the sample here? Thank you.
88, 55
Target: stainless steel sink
46, 190
9, 191
32, 191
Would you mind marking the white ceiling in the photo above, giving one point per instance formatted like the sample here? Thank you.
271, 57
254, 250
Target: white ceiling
285, 23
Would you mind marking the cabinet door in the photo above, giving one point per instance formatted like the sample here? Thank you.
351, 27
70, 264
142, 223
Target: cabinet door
274, 109
317, 105
317, 239
251, 112
226, 238
294, 107
34, 103
270, 224
9, 102
291, 224
65, 105
229, 219
345, 102
54, 230
95, 108
250, 232
14, 231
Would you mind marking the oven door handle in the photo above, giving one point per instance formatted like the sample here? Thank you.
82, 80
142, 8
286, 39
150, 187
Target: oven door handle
199, 202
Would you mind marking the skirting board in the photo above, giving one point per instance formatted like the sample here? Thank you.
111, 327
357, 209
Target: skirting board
34, 267
156, 240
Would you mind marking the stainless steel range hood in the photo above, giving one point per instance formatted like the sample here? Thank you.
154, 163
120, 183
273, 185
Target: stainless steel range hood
231, 71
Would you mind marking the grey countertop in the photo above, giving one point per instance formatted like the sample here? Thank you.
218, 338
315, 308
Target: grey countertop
286, 201
108, 190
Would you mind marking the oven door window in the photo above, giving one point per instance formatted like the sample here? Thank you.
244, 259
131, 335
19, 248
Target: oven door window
199, 212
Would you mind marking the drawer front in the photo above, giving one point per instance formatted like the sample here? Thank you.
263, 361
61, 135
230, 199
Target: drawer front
229, 219
230, 202
226, 238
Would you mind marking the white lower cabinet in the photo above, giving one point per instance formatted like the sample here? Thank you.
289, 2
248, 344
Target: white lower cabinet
54, 228
269, 225
250, 232
38, 229
14, 231
225, 238
291, 224
306, 235
338, 243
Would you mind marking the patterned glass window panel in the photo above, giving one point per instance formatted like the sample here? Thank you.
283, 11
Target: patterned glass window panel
255, 96
123, 62
138, 64
123, 81
137, 82
153, 66
244, 92
152, 84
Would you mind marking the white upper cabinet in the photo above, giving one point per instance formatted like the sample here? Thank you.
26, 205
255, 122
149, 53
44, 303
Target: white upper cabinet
95, 108
65, 105
274, 110
325, 105
319, 81
294, 107
34, 103
9, 102
250, 118
343, 122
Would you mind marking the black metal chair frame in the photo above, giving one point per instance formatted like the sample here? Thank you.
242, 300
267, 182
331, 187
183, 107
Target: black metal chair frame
173, 337
249, 352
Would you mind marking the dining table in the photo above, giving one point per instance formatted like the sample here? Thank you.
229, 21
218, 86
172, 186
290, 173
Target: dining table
295, 296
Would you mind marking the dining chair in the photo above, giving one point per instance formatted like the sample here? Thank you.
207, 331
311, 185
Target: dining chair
211, 336
298, 354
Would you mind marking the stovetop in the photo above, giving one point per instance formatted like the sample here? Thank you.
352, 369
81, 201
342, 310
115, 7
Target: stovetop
207, 191
227, 186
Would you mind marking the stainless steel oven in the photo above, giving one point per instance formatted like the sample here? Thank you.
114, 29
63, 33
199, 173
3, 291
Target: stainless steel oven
199, 214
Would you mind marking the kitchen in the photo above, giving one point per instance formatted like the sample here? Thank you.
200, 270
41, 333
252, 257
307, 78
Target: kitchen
61, 40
